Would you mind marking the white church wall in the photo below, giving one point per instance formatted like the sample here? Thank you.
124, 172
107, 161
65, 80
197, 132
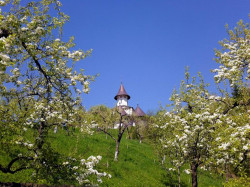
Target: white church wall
122, 101
129, 111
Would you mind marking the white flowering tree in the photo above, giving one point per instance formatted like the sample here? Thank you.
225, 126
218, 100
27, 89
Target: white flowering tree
168, 143
188, 128
39, 89
233, 130
211, 131
234, 57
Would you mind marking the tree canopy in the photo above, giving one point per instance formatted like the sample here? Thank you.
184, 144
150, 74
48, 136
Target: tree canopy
206, 130
39, 89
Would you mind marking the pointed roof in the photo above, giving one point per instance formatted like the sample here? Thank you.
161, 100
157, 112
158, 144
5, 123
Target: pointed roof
122, 92
139, 112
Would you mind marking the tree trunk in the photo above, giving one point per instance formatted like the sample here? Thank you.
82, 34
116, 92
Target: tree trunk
194, 167
179, 177
55, 129
117, 150
128, 134
163, 160
140, 138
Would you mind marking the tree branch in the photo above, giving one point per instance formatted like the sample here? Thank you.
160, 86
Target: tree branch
41, 69
243, 160
4, 33
37, 63
106, 132
8, 168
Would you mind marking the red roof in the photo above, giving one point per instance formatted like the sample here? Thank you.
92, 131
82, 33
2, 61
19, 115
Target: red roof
122, 92
139, 112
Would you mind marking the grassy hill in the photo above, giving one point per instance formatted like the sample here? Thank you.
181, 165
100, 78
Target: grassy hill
138, 164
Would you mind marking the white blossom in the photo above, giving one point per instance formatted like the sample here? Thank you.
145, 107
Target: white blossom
187, 171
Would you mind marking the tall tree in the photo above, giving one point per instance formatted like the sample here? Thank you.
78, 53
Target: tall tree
189, 126
38, 90
232, 143
209, 130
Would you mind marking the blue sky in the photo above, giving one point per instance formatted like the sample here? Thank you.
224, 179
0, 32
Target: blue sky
146, 44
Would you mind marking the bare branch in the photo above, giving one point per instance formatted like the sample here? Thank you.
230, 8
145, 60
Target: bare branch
106, 132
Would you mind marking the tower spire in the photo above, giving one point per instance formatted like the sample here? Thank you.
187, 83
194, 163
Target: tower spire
122, 92
122, 96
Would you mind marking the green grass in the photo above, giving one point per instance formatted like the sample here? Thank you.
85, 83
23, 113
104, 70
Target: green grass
138, 164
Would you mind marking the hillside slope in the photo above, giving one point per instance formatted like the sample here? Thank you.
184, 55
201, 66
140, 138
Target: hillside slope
138, 164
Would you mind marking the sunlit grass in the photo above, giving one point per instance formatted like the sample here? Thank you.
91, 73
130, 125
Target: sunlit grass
138, 164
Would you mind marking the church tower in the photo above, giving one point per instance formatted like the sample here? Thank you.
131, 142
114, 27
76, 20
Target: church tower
122, 97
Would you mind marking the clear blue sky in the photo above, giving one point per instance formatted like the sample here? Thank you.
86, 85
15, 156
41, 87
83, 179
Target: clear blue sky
146, 44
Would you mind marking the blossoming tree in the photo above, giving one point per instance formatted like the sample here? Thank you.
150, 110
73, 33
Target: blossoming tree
232, 138
211, 131
39, 89
189, 126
